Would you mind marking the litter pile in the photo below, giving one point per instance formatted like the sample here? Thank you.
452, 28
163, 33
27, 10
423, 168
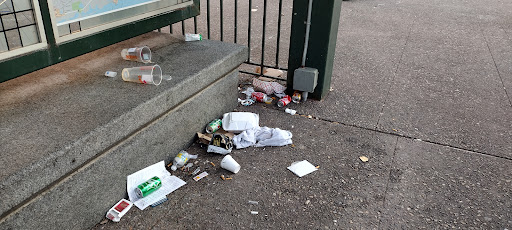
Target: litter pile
262, 90
235, 130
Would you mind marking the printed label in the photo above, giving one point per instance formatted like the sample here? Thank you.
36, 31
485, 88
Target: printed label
182, 156
200, 176
121, 206
145, 79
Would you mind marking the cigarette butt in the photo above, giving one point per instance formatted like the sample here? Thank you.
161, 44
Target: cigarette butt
229, 178
222, 177
212, 164
169, 165
317, 166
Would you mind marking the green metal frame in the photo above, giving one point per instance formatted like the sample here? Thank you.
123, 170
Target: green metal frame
322, 41
55, 53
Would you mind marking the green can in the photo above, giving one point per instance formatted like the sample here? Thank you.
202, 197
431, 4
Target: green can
214, 126
148, 187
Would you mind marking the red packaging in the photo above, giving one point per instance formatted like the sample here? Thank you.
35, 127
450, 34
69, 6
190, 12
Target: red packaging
259, 96
284, 101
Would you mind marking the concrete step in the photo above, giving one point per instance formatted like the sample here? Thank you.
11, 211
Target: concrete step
70, 136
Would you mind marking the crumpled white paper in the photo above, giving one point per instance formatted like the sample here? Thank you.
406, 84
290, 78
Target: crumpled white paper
262, 136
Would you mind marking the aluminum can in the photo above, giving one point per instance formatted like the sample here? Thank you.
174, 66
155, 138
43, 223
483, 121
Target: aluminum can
214, 126
297, 96
284, 101
259, 96
148, 187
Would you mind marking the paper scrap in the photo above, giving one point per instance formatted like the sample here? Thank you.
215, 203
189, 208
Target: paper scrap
302, 168
169, 184
200, 176
363, 158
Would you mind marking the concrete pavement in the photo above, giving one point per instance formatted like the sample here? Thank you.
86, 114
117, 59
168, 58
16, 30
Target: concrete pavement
421, 88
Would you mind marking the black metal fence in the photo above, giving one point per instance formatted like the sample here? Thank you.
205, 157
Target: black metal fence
241, 21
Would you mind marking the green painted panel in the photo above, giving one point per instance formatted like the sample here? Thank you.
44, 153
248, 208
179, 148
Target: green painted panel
322, 41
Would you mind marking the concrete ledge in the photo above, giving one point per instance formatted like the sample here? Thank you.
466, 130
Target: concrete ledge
63, 117
81, 199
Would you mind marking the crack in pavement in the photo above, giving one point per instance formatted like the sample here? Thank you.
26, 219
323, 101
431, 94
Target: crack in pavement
397, 135
388, 180
496, 66
394, 74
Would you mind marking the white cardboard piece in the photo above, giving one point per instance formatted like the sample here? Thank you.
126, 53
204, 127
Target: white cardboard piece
302, 168
240, 121
169, 184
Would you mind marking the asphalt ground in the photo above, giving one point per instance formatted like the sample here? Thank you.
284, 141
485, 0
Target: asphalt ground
423, 89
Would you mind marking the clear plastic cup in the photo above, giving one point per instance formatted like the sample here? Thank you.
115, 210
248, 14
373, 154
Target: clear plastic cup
143, 74
140, 54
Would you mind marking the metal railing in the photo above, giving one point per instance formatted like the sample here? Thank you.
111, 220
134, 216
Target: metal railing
238, 17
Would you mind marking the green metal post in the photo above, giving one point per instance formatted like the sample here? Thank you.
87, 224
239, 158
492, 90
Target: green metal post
322, 41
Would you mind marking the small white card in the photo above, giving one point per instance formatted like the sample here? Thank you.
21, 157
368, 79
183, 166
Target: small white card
302, 168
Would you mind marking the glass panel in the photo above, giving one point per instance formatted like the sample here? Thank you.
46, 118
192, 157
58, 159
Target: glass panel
25, 18
29, 35
13, 38
6, 7
3, 43
63, 30
74, 27
9, 21
20, 5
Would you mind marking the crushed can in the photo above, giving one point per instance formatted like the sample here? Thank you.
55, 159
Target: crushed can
284, 101
214, 126
260, 97
221, 140
297, 97
148, 187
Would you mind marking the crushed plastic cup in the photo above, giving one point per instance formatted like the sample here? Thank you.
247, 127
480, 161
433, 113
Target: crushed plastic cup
143, 74
230, 164
140, 54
